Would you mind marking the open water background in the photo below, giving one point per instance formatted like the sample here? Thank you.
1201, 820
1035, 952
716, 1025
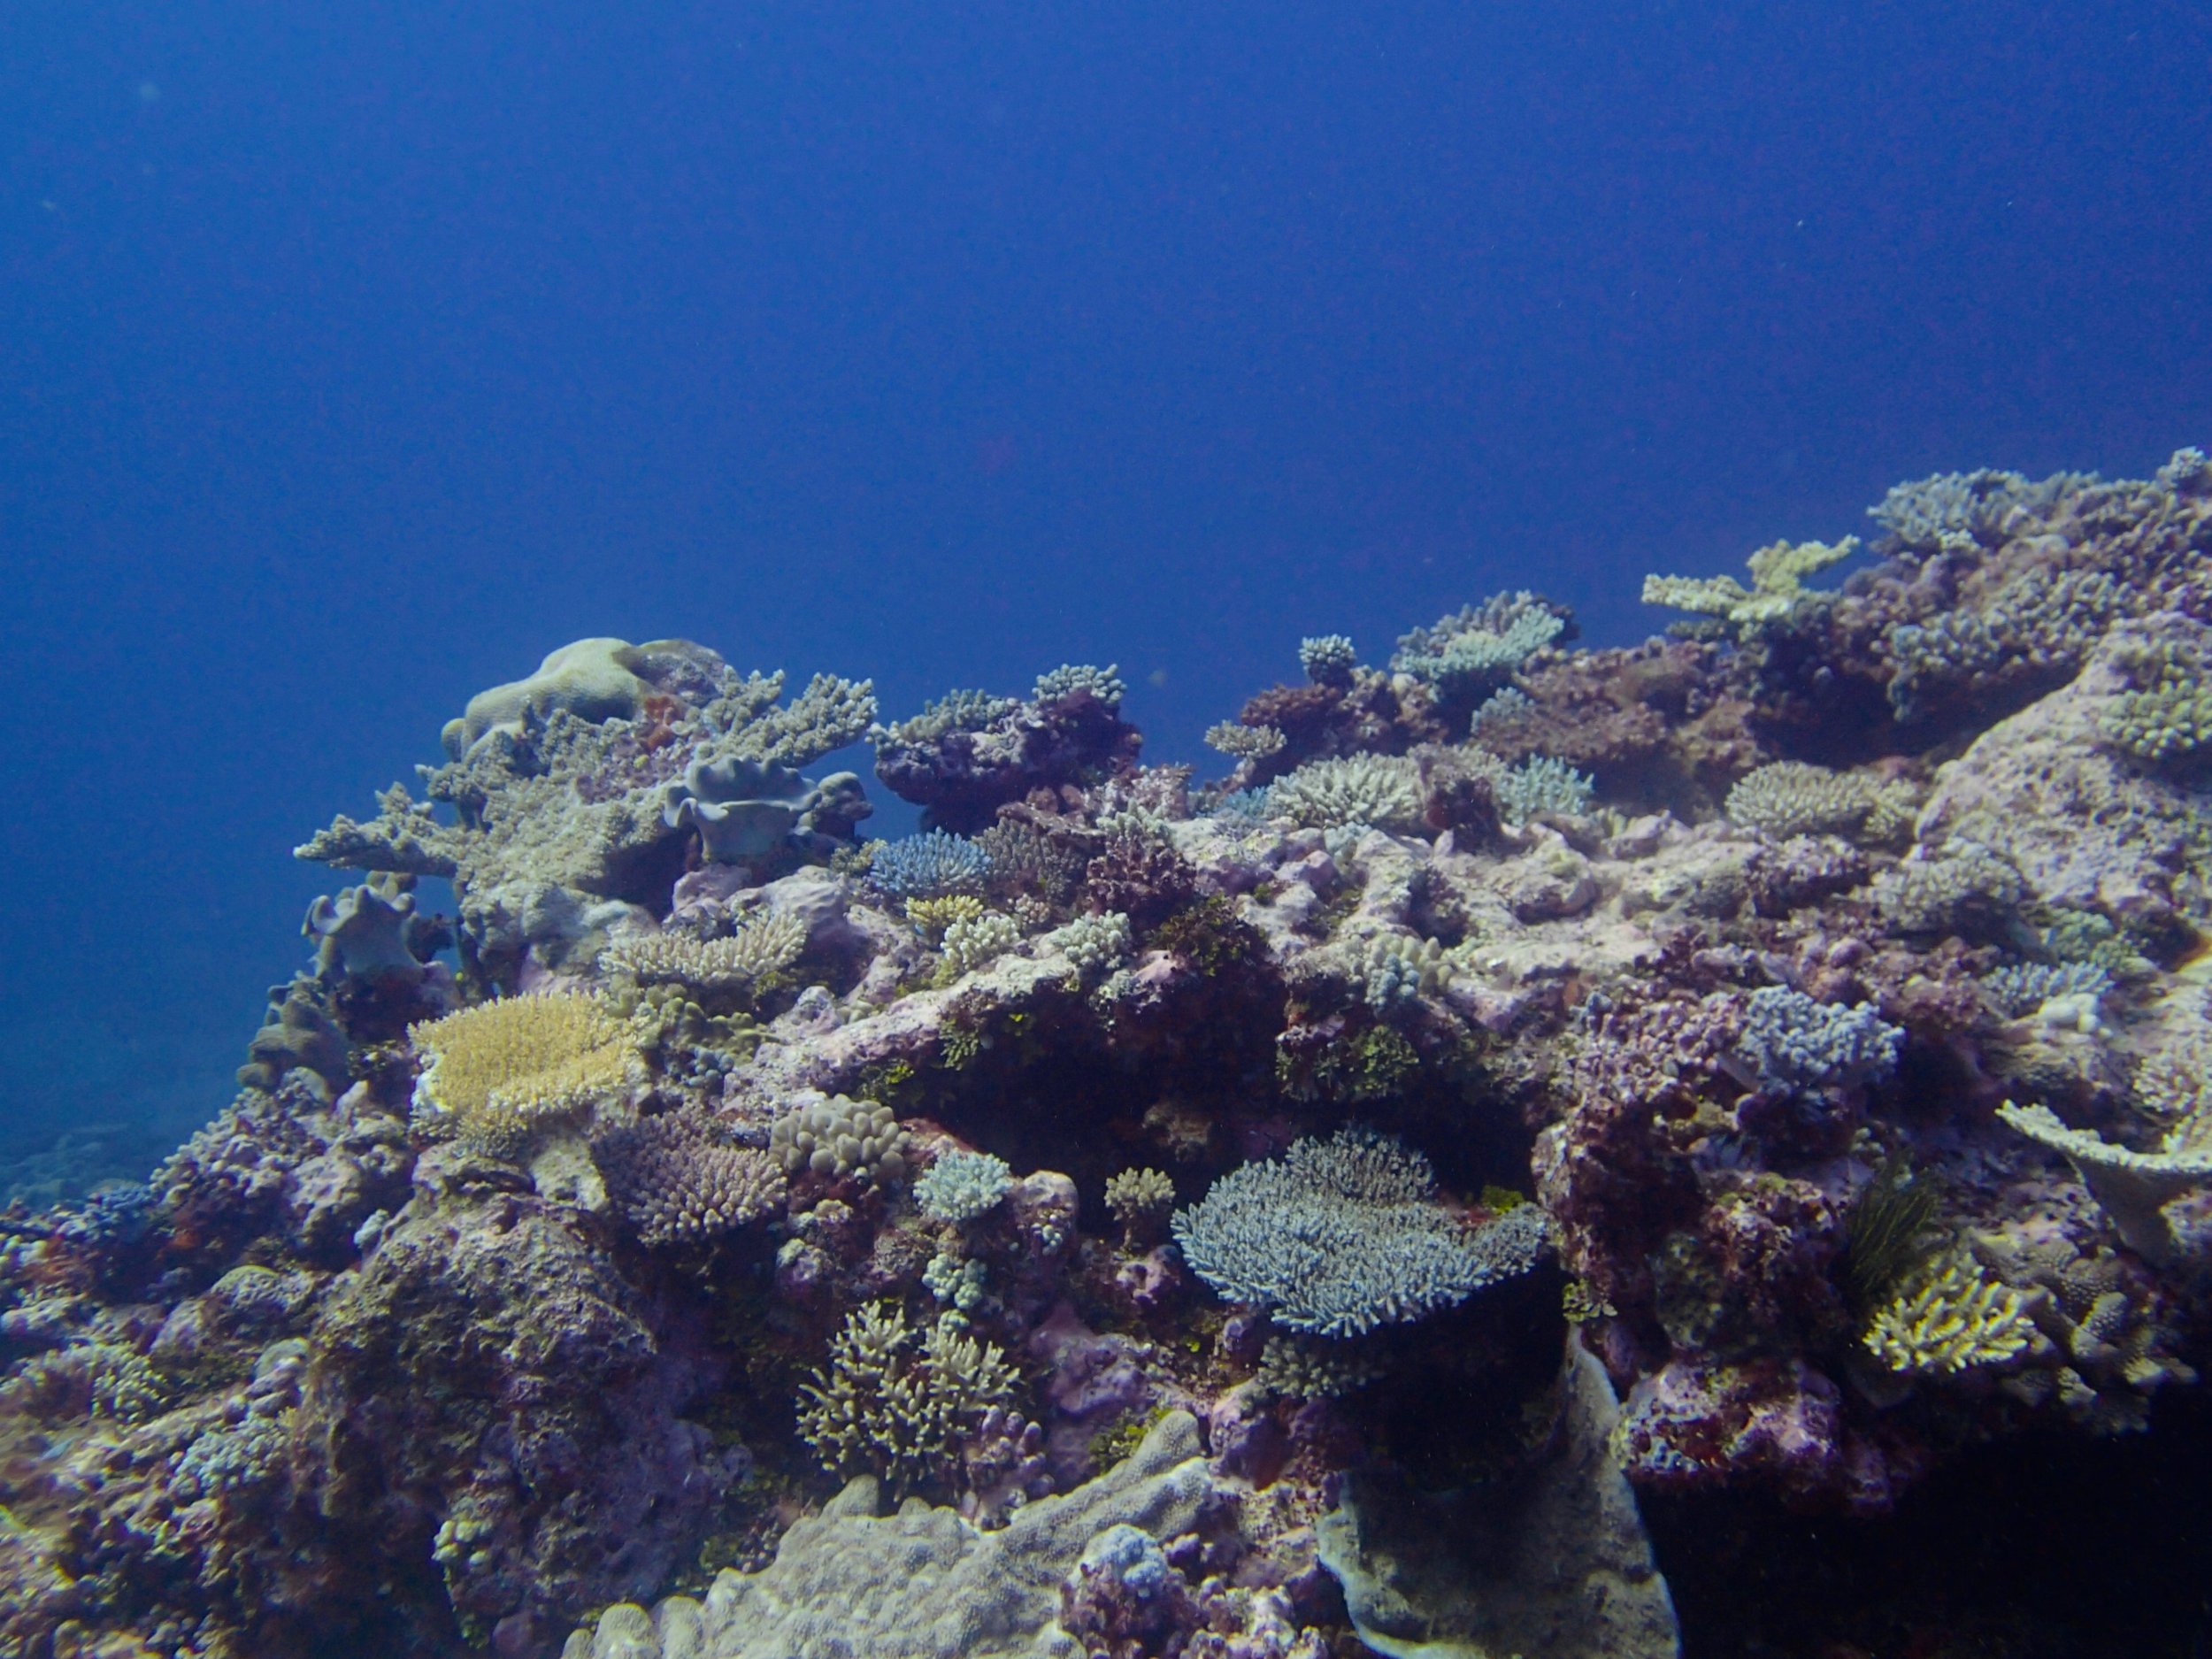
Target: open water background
352, 358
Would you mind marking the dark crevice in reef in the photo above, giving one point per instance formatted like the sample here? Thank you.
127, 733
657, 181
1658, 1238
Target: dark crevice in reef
2054, 1546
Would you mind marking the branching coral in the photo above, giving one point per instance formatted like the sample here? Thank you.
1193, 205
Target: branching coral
888, 1405
1778, 593
2168, 714
1339, 1236
1966, 887
1791, 797
929, 866
1798, 1042
499, 1070
1328, 659
1140, 1200
975, 942
1395, 969
1300, 1368
763, 945
1094, 944
1469, 656
1105, 684
1379, 790
1244, 742
1954, 1317
2020, 988
1541, 785
963, 1185
681, 1182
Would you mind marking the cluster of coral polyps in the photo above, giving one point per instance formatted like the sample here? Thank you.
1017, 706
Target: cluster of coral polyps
1771, 1057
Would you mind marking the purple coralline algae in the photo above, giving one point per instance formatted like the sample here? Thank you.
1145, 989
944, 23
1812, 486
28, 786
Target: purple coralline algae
1768, 1060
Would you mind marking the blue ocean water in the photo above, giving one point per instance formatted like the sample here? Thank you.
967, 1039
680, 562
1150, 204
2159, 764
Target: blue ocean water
350, 359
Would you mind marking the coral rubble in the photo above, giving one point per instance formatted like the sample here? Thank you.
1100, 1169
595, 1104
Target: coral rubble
1792, 1028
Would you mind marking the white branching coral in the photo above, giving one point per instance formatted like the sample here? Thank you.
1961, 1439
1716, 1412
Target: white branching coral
1383, 791
975, 942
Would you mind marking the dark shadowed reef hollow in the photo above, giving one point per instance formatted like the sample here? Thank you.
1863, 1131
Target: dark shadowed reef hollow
1702, 1146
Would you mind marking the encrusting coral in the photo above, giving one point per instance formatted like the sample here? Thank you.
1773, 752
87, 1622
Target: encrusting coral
559, 1253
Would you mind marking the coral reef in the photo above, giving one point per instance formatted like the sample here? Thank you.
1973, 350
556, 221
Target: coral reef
1793, 1027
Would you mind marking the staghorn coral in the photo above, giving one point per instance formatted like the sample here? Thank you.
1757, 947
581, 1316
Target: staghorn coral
500, 1070
887, 1405
1954, 1317
1339, 1236
1367, 789
963, 1185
